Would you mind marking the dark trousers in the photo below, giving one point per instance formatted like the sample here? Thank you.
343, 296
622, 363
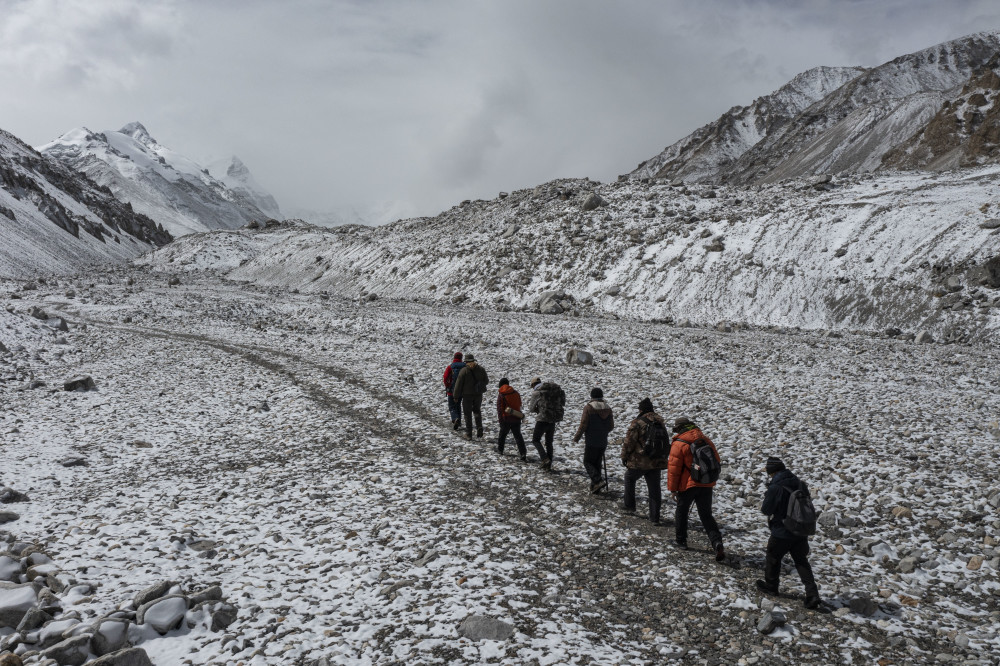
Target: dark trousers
702, 497
515, 430
472, 405
799, 550
454, 407
547, 429
652, 477
593, 455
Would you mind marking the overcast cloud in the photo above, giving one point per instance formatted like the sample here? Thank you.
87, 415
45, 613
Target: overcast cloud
414, 106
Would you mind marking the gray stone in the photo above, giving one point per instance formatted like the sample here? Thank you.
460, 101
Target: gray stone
924, 337
223, 616
33, 619
10, 569
80, 383
127, 657
163, 614
828, 519
770, 621
174, 281
907, 565
73, 461
592, 201
71, 652
481, 627
110, 636
510, 230
152, 592
57, 323
613, 291
213, 593
579, 357
8, 517
428, 557
548, 303
990, 224
862, 605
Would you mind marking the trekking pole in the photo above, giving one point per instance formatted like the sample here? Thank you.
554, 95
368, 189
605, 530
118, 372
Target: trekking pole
604, 461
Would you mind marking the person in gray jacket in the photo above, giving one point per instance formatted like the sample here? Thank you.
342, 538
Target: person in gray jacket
548, 401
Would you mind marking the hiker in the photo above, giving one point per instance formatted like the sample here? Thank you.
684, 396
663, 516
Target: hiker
510, 416
775, 506
688, 485
644, 454
548, 401
595, 424
454, 402
469, 388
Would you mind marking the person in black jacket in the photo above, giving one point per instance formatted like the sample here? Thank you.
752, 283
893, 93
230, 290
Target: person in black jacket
595, 424
783, 542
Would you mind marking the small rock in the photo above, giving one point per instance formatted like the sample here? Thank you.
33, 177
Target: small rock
579, 357
481, 627
8, 517
127, 657
991, 224
80, 383
863, 605
9, 496
71, 652
923, 338
975, 563
223, 616
592, 201
770, 621
902, 512
10, 659
163, 614
152, 592
907, 565
111, 636
73, 461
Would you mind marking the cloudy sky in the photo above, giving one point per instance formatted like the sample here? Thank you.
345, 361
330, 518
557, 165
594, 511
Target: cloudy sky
410, 107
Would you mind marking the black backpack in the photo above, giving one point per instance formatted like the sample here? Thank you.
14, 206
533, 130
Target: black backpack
657, 444
480, 383
800, 516
704, 466
551, 402
454, 374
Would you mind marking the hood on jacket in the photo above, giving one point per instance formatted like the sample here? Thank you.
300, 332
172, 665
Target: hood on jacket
506, 389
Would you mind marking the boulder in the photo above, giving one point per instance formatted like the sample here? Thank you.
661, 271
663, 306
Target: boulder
8, 517
592, 201
481, 627
163, 614
953, 283
10, 659
223, 616
213, 593
579, 357
71, 652
10, 569
127, 657
863, 605
923, 338
152, 592
510, 230
80, 383
548, 303
73, 461
907, 565
990, 224
110, 636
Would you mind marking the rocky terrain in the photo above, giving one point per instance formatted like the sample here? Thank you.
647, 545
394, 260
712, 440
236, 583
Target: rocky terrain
168, 187
289, 455
903, 255
931, 109
53, 220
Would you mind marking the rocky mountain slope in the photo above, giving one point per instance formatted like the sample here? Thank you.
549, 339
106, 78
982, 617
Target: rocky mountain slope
237, 177
859, 121
160, 183
54, 220
904, 253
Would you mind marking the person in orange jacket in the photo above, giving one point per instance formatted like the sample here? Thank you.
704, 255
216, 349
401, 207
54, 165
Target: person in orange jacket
684, 489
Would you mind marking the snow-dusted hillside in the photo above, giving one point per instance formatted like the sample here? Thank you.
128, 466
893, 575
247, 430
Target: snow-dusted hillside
905, 251
847, 128
53, 220
160, 183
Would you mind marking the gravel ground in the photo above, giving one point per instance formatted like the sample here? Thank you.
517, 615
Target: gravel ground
296, 451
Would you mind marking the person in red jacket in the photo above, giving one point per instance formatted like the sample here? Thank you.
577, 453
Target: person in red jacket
454, 401
686, 491
509, 400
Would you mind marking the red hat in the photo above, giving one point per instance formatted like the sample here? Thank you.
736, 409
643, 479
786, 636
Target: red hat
458, 356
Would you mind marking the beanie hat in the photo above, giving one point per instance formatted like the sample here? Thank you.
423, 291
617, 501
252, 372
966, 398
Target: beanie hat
503, 382
458, 356
470, 359
683, 423
774, 465
596, 394
645, 406
535, 381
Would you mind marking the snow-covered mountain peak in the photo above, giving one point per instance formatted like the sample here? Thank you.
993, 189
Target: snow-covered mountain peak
237, 177
170, 188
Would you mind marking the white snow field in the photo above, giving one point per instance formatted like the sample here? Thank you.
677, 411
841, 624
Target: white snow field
295, 450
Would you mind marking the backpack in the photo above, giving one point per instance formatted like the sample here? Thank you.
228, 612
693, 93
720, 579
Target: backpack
800, 516
551, 402
657, 444
705, 468
480, 383
456, 368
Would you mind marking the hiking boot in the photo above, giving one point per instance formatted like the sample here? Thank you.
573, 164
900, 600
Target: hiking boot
627, 509
812, 601
656, 523
683, 545
546, 463
767, 589
467, 435
720, 553
599, 486
523, 458
479, 433
456, 424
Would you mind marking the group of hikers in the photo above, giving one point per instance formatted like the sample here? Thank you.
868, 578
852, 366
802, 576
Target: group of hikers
690, 458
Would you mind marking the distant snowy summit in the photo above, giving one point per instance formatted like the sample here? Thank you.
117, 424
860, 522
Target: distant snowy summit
934, 109
166, 186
